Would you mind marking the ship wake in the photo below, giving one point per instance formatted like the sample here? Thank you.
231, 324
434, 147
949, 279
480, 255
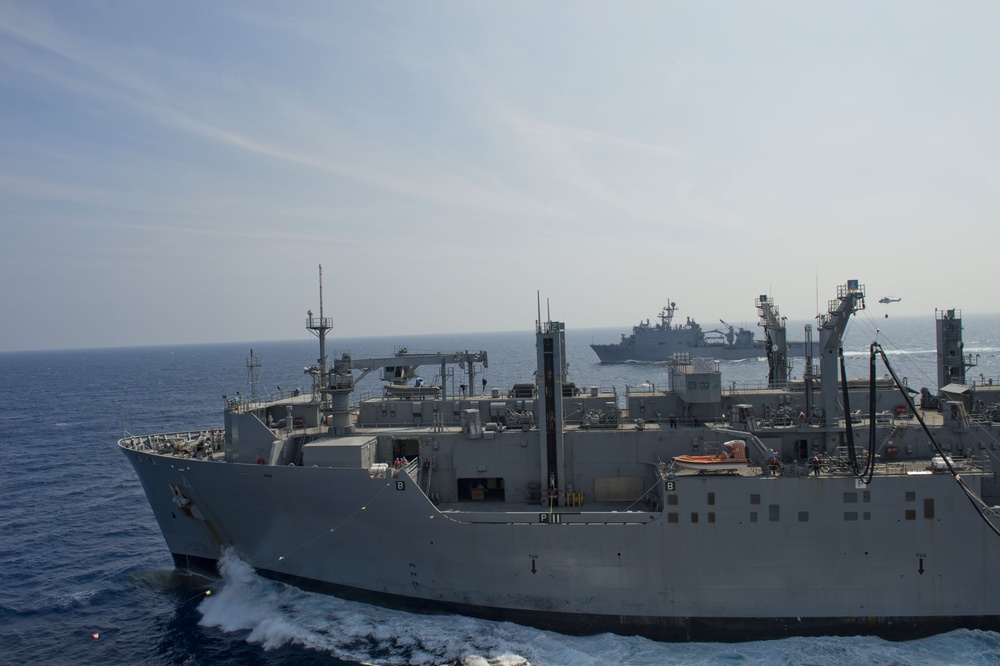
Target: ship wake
273, 615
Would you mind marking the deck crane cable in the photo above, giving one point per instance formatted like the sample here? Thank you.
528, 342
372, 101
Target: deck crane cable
981, 507
866, 470
872, 406
903, 359
849, 430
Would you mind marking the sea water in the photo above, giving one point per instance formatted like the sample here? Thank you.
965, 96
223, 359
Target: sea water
85, 577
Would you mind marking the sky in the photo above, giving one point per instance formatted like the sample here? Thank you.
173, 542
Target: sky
176, 172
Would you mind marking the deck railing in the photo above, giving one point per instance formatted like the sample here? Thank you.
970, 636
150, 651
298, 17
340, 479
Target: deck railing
187, 441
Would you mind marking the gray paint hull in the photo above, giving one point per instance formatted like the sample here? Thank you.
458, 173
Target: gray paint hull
659, 351
734, 558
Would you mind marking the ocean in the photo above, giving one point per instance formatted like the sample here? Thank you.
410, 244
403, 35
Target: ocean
85, 577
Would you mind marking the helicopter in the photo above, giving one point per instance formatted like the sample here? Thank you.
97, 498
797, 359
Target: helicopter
885, 300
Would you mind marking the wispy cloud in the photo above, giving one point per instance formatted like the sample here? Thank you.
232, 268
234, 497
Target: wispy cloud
577, 136
88, 69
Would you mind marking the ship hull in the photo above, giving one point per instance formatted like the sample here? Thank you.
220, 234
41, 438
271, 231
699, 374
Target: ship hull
660, 628
660, 352
728, 558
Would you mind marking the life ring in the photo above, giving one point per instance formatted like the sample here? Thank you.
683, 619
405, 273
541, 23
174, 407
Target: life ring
261, 461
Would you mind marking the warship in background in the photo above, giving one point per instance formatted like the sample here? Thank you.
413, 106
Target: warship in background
587, 511
658, 342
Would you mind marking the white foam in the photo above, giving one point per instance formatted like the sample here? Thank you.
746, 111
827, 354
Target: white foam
273, 614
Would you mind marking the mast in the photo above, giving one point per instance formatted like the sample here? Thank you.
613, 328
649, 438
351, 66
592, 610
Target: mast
809, 372
320, 327
952, 362
550, 376
253, 379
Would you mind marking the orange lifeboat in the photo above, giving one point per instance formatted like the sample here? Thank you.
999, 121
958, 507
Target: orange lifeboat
731, 458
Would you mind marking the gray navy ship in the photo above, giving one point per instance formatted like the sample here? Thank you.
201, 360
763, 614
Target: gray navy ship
817, 507
659, 341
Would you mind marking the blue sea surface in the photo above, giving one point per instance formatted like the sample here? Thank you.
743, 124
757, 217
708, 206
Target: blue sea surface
85, 576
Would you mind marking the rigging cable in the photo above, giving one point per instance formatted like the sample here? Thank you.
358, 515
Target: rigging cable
870, 468
981, 507
849, 428
866, 470
904, 358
